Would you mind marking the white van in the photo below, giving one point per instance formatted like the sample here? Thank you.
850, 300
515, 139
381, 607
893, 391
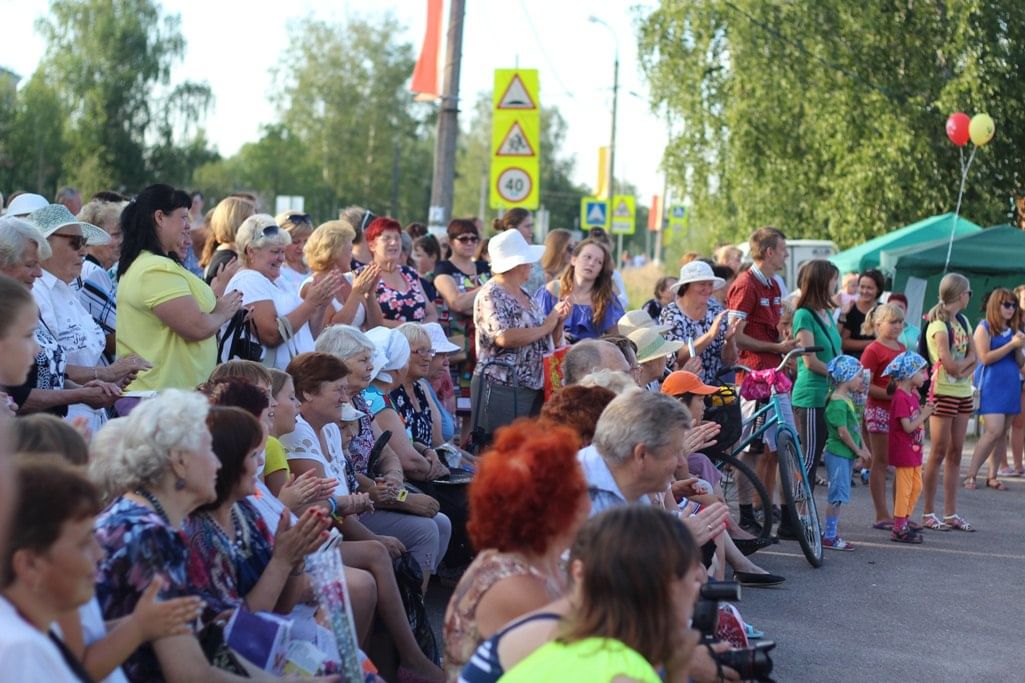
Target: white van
799, 252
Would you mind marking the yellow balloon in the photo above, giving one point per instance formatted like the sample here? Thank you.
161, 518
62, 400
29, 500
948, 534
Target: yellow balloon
981, 129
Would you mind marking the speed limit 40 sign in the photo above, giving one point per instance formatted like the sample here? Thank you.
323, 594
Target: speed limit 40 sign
515, 140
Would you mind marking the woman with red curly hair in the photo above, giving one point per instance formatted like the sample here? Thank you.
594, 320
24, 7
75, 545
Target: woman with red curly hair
531, 467
399, 291
579, 408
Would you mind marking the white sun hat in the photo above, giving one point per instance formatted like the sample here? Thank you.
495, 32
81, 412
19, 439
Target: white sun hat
508, 249
636, 319
439, 342
651, 345
53, 217
697, 271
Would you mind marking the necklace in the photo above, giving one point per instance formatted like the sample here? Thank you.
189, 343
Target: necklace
157, 507
240, 542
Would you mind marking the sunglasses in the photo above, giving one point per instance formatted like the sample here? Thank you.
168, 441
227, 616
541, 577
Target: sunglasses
1009, 304
467, 238
271, 230
297, 218
75, 241
367, 217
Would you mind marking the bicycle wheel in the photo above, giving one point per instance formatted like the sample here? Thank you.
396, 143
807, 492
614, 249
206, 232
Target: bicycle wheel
804, 518
735, 475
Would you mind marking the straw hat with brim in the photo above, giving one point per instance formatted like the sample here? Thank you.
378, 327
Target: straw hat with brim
697, 271
508, 249
26, 203
683, 382
53, 217
395, 348
635, 320
439, 342
651, 345
350, 414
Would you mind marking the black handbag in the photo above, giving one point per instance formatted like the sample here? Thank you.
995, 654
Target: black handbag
238, 340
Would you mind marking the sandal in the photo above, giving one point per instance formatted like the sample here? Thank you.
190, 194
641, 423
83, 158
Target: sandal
885, 525
969, 483
1008, 472
995, 483
931, 521
956, 521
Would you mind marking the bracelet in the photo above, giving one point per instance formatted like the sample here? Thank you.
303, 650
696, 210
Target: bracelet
333, 505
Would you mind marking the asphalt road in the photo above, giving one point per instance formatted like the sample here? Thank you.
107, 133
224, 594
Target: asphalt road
951, 609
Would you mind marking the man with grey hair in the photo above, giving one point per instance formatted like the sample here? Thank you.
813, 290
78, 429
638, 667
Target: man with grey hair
590, 355
71, 198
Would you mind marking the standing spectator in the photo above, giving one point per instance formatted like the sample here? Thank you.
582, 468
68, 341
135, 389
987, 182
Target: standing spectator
96, 288
756, 299
220, 249
197, 233
1018, 424
886, 323
587, 285
513, 335
663, 297
285, 324
522, 221
953, 356
728, 275
299, 226
166, 314
558, 252
906, 435
911, 332
360, 219
458, 280
706, 333
729, 256
426, 254
70, 198
399, 292
329, 250
601, 236
998, 341
870, 286
813, 326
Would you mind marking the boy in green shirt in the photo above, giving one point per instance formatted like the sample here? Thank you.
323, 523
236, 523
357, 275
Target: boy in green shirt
843, 442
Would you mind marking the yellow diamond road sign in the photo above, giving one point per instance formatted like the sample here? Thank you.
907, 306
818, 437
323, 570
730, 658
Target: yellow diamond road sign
515, 140
624, 215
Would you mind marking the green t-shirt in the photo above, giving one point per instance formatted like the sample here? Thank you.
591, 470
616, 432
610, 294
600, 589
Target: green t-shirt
596, 660
810, 389
840, 412
945, 385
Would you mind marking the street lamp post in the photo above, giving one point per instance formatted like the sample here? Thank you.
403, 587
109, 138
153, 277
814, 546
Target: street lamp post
612, 142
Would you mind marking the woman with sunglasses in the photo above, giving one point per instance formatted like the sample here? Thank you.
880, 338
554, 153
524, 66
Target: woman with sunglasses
458, 280
998, 341
299, 227
285, 324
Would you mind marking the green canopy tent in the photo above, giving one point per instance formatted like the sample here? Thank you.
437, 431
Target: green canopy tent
865, 256
990, 258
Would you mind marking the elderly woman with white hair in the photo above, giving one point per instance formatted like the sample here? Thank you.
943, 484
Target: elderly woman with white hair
162, 470
53, 384
329, 250
285, 324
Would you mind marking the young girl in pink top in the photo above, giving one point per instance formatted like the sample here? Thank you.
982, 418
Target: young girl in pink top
907, 375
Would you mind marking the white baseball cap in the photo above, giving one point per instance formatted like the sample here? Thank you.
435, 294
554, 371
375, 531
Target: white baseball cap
25, 203
439, 342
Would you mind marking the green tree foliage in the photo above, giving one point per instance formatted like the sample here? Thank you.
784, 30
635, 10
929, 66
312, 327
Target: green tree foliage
32, 143
559, 194
826, 117
109, 61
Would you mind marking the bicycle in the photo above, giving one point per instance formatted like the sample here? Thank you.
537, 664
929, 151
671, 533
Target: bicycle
794, 477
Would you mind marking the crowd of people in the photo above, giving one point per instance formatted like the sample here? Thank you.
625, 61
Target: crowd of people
201, 404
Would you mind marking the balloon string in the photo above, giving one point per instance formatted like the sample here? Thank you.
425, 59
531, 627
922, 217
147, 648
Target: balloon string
957, 209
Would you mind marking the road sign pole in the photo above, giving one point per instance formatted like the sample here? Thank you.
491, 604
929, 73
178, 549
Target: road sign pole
448, 120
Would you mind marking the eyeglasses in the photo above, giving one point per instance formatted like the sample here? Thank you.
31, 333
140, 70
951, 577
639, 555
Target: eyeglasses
76, 242
467, 238
1009, 304
425, 353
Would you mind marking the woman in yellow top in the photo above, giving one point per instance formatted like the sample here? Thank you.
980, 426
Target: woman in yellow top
165, 313
953, 357
633, 598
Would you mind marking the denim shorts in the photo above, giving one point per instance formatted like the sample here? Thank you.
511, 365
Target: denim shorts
840, 471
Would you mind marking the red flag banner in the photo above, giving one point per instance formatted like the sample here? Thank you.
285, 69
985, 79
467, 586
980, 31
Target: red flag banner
425, 73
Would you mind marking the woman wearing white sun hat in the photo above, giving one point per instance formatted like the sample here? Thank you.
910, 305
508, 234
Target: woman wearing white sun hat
513, 335
706, 333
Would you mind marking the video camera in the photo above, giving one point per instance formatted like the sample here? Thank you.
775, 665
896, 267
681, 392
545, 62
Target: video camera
753, 663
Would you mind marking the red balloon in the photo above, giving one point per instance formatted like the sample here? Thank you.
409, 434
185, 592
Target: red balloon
957, 128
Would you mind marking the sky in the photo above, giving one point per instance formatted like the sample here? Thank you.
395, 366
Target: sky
574, 58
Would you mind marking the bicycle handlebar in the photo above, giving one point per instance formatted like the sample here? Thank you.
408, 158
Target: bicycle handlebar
796, 351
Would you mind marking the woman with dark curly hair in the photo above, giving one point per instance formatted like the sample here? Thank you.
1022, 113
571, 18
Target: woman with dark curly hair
527, 469
587, 284
578, 407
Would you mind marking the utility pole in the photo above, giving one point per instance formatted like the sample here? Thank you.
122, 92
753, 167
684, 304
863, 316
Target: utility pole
448, 123
612, 141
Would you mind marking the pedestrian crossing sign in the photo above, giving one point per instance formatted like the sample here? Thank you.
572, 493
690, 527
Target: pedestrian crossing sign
594, 213
677, 216
624, 215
